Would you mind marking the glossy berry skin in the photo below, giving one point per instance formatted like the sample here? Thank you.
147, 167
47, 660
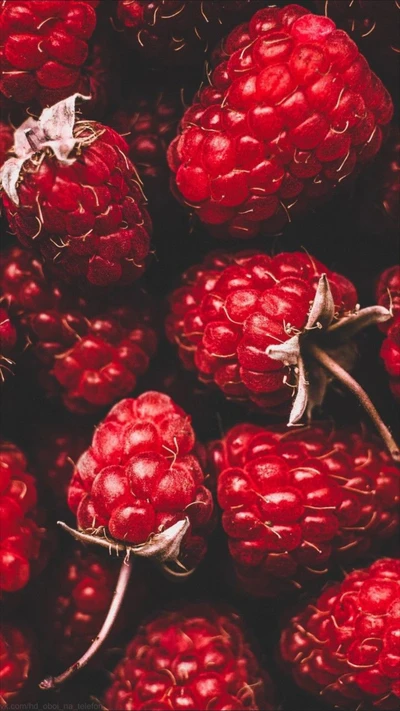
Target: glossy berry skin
15, 663
291, 110
388, 294
44, 48
6, 140
177, 32
233, 306
88, 351
21, 538
344, 647
88, 219
197, 658
294, 502
141, 475
8, 342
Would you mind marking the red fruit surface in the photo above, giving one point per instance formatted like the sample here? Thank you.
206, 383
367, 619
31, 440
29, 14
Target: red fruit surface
15, 663
291, 110
178, 32
8, 341
87, 219
296, 501
344, 647
141, 475
6, 140
89, 351
232, 307
197, 658
21, 539
44, 46
388, 294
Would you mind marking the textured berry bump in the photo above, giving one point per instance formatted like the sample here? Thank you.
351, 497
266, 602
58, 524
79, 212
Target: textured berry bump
197, 658
6, 141
388, 294
72, 193
15, 664
88, 351
44, 47
232, 307
21, 539
295, 502
291, 110
141, 476
344, 647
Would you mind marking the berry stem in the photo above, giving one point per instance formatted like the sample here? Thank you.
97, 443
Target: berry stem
343, 376
119, 593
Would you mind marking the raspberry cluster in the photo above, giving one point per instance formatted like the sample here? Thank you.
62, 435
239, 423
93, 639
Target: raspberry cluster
388, 294
15, 662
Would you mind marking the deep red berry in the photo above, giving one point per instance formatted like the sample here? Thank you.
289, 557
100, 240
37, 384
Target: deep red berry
296, 501
76, 198
15, 663
89, 351
292, 108
178, 32
197, 658
8, 342
388, 294
141, 476
21, 539
6, 141
232, 307
44, 49
344, 648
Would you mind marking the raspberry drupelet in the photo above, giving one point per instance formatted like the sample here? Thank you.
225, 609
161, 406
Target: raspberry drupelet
297, 502
73, 195
22, 550
197, 658
140, 490
88, 351
291, 110
6, 141
388, 294
344, 647
15, 663
8, 342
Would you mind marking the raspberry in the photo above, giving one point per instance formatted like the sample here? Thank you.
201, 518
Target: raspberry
291, 110
6, 141
8, 341
197, 658
89, 352
388, 294
44, 49
15, 663
295, 502
73, 194
344, 647
21, 538
178, 32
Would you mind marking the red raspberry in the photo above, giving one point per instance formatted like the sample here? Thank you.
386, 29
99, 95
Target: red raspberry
8, 341
294, 502
88, 351
291, 110
344, 647
15, 664
6, 141
178, 32
76, 197
21, 539
232, 307
141, 476
44, 48
197, 658
388, 294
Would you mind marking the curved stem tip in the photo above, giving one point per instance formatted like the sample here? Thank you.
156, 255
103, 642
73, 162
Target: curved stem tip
343, 376
124, 575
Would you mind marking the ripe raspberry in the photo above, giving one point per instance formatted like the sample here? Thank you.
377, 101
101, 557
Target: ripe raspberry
295, 502
44, 49
345, 646
141, 476
148, 126
75, 197
6, 141
88, 351
388, 294
21, 539
8, 342
15, 663
197, 658
177, 32
291, 110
